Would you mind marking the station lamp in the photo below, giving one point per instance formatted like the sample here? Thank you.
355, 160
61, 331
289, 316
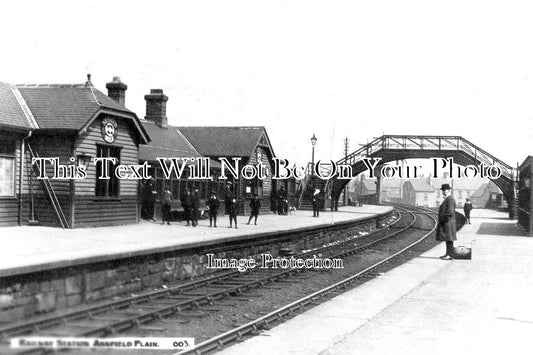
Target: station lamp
313, 143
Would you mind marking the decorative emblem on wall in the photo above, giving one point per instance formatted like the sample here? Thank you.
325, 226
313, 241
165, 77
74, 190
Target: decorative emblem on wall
109, 130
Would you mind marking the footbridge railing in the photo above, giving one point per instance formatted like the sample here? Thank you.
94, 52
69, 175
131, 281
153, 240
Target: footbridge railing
420, 143
390, 147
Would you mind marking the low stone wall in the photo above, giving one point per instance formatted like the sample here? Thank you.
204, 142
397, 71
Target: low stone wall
27, 295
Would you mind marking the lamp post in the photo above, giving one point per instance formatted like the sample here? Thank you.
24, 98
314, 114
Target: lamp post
313, 142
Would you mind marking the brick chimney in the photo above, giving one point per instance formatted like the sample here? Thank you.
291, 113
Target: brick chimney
156, 107
117, 90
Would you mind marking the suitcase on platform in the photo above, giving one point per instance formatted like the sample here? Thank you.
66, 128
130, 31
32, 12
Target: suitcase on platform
462, 253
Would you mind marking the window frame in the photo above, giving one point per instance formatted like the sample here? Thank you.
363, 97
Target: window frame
8, 155
111, 174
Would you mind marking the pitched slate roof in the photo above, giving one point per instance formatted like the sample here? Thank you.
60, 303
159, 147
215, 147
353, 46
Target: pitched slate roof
237, 141
458, 184
421, 185
370, 185
67, 106
481, 190
12, 110
489, 187
165, 143
393, 183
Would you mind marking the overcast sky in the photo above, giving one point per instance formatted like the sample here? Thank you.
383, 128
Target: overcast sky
334, 68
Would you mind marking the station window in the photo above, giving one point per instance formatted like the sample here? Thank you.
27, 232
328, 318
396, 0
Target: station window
7, 167
292, 186
176, 186
254, 186
107, 187
217, 185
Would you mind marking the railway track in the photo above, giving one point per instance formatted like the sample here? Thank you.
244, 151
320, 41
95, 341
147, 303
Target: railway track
237, 334
197, 298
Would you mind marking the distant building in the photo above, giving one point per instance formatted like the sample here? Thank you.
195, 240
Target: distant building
418, 192
364, 190
391, 190
461, 188
488, 195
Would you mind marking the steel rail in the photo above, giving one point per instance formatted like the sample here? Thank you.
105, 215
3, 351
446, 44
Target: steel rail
41, 324
144, 312
254, 325
209, 298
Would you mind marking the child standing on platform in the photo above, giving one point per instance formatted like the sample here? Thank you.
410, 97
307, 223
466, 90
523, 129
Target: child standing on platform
467, 208
213, 204
255, 206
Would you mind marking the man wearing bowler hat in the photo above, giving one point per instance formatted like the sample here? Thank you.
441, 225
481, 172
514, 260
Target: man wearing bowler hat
447, 227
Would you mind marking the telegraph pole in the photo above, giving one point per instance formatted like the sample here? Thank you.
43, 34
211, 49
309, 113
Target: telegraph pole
346, 147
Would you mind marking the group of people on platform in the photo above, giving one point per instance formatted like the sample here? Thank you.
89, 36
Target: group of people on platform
281, 202
446, 228
190, 201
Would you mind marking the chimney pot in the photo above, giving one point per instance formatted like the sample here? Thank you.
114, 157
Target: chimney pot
88, 82
116, 90
156, 107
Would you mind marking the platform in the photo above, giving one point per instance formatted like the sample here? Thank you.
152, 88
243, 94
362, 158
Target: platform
426, 306
29, 249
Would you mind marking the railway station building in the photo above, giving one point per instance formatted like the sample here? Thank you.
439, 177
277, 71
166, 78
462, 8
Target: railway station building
15, 125
76, 123
250, 145
168, 142
73, 123
525, 195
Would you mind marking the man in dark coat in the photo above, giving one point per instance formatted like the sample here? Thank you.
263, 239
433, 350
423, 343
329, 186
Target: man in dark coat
282, 197
232, 212
195, 205
213, 203
273, 201
467, 208
316, 203
255, 206
228, 195
186, 202
149, 195
447, 227
166, 201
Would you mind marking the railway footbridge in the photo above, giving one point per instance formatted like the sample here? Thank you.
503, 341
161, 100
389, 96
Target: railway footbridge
399, 147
